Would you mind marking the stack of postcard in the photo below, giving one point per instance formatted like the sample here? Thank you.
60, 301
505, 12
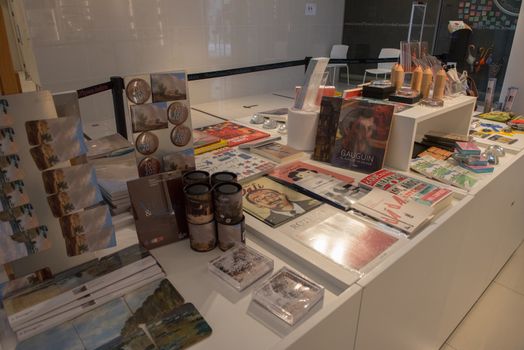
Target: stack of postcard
108, 146
119, 301
112, 174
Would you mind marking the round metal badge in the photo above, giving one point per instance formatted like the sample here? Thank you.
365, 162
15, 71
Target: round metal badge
149, 166
138, 91
147, 143
177, 113
181, 135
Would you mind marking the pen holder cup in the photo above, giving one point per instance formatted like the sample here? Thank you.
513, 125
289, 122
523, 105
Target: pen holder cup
302, 129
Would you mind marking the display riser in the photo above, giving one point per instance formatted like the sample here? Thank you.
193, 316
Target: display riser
411, 125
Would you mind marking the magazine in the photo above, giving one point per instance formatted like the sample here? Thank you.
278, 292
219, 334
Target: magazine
346, 241
353, 134
333, 188
445, 171
235, 134
274, 203
245, 165
278, 152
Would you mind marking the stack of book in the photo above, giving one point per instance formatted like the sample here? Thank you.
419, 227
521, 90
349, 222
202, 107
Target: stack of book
204, 142
394, 210
409, 188
469, 157
112, 174
234, 134
443, 140
119, 301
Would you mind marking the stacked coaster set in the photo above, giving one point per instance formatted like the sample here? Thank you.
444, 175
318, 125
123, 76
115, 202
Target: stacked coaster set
470, 157
213, 210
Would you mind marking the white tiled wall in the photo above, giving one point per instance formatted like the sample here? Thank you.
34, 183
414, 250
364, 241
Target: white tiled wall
78, 43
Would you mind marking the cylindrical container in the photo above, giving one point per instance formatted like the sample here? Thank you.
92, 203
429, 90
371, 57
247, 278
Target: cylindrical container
490, 93
427, 78
223, 176
393, 73
203, 237
440, 85
399, 77
229, 235
227, 197
416, 79
199, 203
196, 177
302, 129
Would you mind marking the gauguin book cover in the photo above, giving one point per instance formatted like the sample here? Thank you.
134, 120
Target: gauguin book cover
353, 134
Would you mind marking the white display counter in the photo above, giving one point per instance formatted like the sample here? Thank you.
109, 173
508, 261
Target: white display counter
412, 297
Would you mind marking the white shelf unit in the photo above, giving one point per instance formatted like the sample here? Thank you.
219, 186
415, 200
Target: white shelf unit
411, 125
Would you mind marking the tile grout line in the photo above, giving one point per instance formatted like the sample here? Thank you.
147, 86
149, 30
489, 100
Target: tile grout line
509, 288
449, 346
468, 313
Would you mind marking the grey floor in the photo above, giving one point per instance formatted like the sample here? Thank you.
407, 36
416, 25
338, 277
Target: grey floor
496, 321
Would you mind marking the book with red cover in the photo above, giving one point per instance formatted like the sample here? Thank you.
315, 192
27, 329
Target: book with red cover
235, 134
202, 139
393, 210
408, 187
336, 189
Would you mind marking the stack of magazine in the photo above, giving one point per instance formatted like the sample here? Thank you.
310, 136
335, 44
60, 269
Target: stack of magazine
122, 300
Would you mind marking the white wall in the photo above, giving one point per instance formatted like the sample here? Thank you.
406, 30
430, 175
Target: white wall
78, 43
515, 71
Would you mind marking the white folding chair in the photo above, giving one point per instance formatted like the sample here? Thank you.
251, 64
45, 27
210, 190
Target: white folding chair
338, 51
383, 67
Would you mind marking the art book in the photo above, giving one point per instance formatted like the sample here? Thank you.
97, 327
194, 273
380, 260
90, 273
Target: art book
153, 316
278, 152
245, 165
336, 189
274, 203
392, 209
408, 188
75, 283
346, 241
81, 305
353, 134
235, 134
445, 171
204, 142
